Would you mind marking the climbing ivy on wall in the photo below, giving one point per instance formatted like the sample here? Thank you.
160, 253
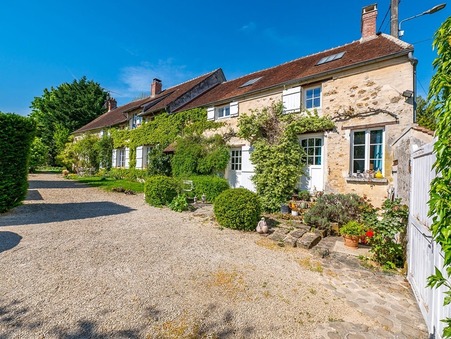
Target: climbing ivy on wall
165, 129
440, 193
277, 154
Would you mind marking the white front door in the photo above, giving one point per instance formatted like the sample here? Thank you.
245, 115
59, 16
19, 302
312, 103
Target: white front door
234, 174
313, 147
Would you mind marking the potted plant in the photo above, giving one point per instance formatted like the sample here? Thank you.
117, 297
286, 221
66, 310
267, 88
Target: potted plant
351, 232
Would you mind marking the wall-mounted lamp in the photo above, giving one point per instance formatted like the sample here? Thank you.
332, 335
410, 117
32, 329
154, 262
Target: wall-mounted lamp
407, 94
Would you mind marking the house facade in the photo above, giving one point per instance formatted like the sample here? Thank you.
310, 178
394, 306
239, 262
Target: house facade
362, 86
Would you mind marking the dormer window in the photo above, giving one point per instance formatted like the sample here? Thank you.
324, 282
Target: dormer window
135, 121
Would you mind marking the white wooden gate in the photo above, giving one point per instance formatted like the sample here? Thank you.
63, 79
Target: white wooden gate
423, 253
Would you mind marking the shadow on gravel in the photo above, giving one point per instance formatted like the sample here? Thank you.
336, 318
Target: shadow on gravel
45, 213
33, 195
89, 329
40, 184
9, 240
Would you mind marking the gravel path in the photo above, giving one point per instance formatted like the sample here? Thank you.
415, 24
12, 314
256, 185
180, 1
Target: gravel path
77, 262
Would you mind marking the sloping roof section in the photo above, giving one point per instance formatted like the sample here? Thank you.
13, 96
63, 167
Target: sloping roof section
306, 69
168, 100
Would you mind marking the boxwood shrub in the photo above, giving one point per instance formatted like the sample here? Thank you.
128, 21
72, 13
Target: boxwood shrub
209, 185
237, 208
15, 142
160, 190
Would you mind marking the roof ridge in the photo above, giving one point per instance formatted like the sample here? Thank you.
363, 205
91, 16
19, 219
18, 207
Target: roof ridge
185, 82
397, 41
294, 60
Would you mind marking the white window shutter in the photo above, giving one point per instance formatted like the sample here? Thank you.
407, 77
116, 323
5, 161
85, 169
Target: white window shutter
127, 157
139, 157
292, 99
114, 159
234, 109
211, 113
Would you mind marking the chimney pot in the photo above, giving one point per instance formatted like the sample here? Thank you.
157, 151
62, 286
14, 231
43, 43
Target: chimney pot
112, 104
155, 88
369, 16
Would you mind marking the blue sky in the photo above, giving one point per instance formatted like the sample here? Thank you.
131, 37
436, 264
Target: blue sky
123, 45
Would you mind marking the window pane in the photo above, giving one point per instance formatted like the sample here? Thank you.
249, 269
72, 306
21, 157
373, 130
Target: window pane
318, 160
318, 142
359, 165
311, 142
359, 152
310, 151
304, 143
310, 161
376, 137
317, 102
317, 91
376, 165
309, 94
359, 138
317, 150
376, 151
308, 104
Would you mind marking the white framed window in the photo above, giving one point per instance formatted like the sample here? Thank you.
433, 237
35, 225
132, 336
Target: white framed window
312, 97
313, 150
135, 121
223, 111
121, 157
235, 159
367, 150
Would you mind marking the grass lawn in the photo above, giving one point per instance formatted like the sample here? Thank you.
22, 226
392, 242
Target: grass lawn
109, 184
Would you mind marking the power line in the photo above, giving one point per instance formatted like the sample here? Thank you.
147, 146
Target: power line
385, 17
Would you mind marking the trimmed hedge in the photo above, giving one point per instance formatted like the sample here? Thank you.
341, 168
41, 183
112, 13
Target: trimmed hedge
237, 208
160, 190
208, 185
17, 134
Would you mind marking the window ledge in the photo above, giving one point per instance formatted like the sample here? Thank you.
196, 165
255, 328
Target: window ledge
371, 181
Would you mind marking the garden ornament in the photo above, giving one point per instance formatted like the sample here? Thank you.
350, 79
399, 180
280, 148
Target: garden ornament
262, 227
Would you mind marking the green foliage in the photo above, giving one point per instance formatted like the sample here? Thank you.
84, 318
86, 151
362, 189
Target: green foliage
161, 190
105, 148
425, 114
353, 228
62, 110
211, 186
158, 162
38, 154
440, 193
82, 155
277, 154
237, 208
340, 208
131, 174
17, 134
196, 154
304, 195
388, 242
179, 203
109, 183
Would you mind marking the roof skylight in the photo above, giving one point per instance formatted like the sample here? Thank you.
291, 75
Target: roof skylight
331, 58
251, 82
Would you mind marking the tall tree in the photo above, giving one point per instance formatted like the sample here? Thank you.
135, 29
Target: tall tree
440, 193
62, 110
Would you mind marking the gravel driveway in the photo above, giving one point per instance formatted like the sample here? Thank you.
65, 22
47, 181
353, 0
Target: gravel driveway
77, 262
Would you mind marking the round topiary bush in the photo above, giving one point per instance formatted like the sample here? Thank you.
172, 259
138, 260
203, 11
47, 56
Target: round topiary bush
160, 190
237, 208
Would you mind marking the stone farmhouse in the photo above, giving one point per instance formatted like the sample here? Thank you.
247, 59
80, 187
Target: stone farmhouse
365, 86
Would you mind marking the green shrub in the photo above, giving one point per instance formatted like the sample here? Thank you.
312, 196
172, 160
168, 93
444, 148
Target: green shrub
237, 208
15, 142
352, 227
389, 241
340, 208
132, 174
160, 190
179, 203
208, 185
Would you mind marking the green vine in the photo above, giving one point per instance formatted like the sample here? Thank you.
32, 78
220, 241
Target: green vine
440, 193
277, 154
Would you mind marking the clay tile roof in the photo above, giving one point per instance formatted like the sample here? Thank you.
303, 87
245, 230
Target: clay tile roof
150, 105
305, 69
423, 129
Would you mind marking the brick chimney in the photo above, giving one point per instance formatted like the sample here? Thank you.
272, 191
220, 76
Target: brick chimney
111, 104
155, 88
369, 16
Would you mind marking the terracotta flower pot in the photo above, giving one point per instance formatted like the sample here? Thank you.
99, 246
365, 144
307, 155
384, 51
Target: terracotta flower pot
351, 241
